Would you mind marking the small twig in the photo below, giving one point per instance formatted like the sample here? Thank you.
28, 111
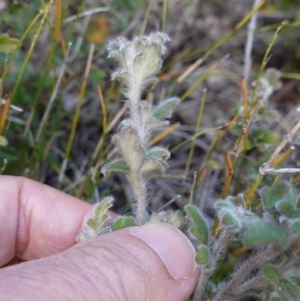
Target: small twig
229, 173
189, 70
267, 166
169, 202
85, 14
249, 43
163, 134
193, 187
273, 171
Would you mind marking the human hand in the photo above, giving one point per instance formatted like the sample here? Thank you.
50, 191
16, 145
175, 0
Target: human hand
39, 225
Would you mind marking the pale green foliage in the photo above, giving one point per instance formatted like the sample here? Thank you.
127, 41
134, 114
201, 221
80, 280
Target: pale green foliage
165, 108
271, 273
199, 228
271, 237
262, 232
96, 225
139, 61
115, 165
123, 222
8, 44
203, 256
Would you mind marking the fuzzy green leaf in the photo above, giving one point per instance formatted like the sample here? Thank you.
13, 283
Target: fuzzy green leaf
165, 109
230, 219
155, 124
271, 273
158, 153
290, 289
115, 165
123, 222
295, 213
271, 195
129, 144
223, 204
92, 224
199, 228
100, 213
292, 196
262, 232
285, 207
150, 166
7, 44
263, 136
296, 227
294, 277
203, 256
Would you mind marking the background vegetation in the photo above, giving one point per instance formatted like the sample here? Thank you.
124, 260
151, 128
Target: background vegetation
66, 146
60, 106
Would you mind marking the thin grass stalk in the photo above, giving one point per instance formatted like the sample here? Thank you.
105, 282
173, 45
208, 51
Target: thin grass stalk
53, 96
39, 91
147, 14
108, 129
163, 134
77, 112
196, 84
103, 109
12, 56
85, 14
197, 127
58, 19
229, 174
164, 15
25, 63
249, 43
4, 113
215, 46
265, 61
206, 131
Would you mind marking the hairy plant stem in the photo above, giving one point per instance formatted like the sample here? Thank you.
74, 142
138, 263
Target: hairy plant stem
229, 291
222, 242
201, 283
139, 190
259, 283
134, 97
135, 178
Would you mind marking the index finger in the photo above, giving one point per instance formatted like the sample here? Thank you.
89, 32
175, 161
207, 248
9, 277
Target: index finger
37, 220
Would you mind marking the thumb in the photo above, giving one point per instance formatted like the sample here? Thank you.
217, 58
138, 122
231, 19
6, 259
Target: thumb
151, 262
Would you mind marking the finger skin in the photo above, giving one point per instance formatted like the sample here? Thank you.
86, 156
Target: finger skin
37, 220
114, 266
